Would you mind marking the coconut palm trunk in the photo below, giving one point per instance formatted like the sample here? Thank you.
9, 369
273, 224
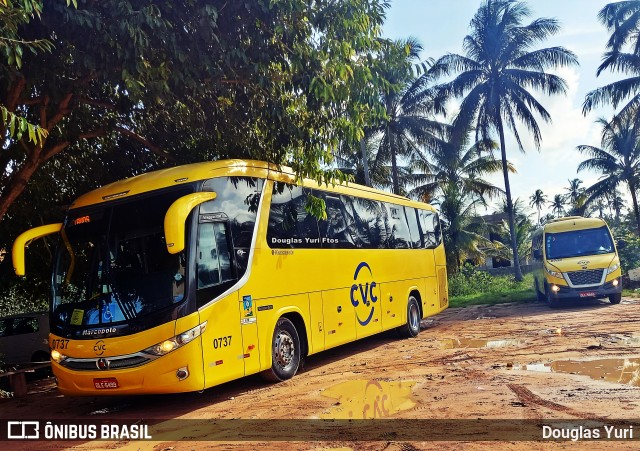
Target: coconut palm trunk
507, 189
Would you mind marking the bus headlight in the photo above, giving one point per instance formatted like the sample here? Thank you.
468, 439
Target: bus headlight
174, 343
57, 357
554, 273
612, 268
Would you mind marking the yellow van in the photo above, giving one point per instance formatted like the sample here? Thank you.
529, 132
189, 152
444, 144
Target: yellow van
576, 259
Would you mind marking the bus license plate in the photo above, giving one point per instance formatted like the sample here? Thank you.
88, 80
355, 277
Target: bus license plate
587, 294
105, 383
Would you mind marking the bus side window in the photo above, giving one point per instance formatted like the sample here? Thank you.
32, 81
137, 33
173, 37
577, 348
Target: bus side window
374, 226
290, 225
337, 231
414, 229
430, 226
400, 235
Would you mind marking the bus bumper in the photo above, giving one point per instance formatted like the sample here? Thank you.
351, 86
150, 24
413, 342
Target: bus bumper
596, 292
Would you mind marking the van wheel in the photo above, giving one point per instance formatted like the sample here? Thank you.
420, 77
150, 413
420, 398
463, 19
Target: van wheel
615, 298
539, 296
412, 328
285, 352
553, 303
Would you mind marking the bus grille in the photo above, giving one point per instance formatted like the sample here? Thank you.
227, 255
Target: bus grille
588, 277
115, 363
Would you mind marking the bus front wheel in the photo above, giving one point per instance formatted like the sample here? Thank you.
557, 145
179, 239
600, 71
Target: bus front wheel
285, 352
412, 328
615, 298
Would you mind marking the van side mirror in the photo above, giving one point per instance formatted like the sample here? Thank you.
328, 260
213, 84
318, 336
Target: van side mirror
176, 215
537, 254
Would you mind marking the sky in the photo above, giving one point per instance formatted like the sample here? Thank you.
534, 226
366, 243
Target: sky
441, 25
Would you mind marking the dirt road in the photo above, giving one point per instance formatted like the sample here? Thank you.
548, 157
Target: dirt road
522, 362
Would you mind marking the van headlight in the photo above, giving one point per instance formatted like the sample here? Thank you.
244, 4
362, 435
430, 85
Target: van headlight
612, 268
173, 343
554, 273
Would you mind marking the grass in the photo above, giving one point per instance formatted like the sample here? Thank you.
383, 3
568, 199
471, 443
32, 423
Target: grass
526, 295
471, 287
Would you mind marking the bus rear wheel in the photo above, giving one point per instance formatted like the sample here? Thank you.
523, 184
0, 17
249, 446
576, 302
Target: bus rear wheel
285, 352
412, 328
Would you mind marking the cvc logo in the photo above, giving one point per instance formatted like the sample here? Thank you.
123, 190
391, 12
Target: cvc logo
363, 293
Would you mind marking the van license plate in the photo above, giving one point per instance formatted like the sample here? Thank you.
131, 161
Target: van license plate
105, 383
587, 294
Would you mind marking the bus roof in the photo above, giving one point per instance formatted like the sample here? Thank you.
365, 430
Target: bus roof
189, 173
572, 223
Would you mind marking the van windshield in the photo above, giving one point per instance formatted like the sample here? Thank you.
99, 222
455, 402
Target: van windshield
576, 243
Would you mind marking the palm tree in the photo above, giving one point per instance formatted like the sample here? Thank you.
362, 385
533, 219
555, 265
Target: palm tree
618, 159
621, 19
537, 200
459, 163
616, 203
496, 74
462, 230
451, 176
557, 205
410, 103
574, 190
577, 198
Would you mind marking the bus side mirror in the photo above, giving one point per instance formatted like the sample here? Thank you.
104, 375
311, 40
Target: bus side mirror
176, 215
537, 254
622, 244
23, 241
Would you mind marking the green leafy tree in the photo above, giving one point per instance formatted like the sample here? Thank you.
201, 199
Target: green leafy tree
13, 15
495, 75
618, 159
284, 81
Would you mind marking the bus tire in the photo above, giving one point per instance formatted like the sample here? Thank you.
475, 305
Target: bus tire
615, 298
412, 328
285, 352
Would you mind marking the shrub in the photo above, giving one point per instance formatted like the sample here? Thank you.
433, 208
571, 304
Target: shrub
470, 281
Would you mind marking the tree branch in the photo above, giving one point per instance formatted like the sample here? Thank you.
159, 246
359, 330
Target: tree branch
145, 142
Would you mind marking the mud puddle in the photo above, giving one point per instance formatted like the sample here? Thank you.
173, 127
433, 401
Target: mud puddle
368, 399
616, 370
453, 343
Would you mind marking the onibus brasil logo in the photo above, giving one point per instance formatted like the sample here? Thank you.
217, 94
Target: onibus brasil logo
363, 294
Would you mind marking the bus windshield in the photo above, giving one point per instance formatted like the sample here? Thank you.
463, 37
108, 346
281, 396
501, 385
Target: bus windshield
576, 243
113, 264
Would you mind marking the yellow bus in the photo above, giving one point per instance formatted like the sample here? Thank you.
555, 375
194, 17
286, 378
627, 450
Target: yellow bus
188, 277
576, 259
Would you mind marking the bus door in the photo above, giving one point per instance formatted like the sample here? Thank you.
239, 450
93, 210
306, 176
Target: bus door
216, 273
